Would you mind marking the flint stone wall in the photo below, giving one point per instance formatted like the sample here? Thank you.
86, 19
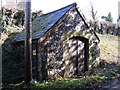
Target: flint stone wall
55, 49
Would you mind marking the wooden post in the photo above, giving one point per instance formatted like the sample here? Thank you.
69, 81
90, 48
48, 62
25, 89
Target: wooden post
28, 42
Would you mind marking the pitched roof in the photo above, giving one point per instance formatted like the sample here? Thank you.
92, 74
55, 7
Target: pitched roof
44, 23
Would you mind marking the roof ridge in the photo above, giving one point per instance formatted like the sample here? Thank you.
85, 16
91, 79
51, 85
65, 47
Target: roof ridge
73, 4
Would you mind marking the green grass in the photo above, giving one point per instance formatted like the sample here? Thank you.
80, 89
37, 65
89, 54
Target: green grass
108, 47
91, 81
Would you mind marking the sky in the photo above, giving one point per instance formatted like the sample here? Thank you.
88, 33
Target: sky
103, 7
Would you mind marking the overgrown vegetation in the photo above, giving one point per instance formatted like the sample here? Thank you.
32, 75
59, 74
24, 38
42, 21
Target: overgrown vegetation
9, 61
91, 81
107, 72
95, 80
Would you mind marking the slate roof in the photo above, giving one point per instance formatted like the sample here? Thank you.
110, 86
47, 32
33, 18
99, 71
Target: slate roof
44, 23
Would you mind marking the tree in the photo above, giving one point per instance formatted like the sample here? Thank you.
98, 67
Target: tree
37, 13
15, 17
19, 18
108, 18
93, 12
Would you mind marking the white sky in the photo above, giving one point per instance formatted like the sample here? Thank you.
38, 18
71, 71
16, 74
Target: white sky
102, 6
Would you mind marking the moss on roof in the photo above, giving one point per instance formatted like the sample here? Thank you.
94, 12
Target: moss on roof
44, 23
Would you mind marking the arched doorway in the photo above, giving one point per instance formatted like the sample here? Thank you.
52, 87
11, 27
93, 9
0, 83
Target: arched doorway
79, 55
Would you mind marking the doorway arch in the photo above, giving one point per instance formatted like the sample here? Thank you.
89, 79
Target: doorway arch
79, 54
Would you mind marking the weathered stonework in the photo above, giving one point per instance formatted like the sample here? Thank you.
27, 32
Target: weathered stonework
65, 45
57, 53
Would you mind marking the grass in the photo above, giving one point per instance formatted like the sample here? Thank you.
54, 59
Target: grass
108, 47
95, 80
103, 75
